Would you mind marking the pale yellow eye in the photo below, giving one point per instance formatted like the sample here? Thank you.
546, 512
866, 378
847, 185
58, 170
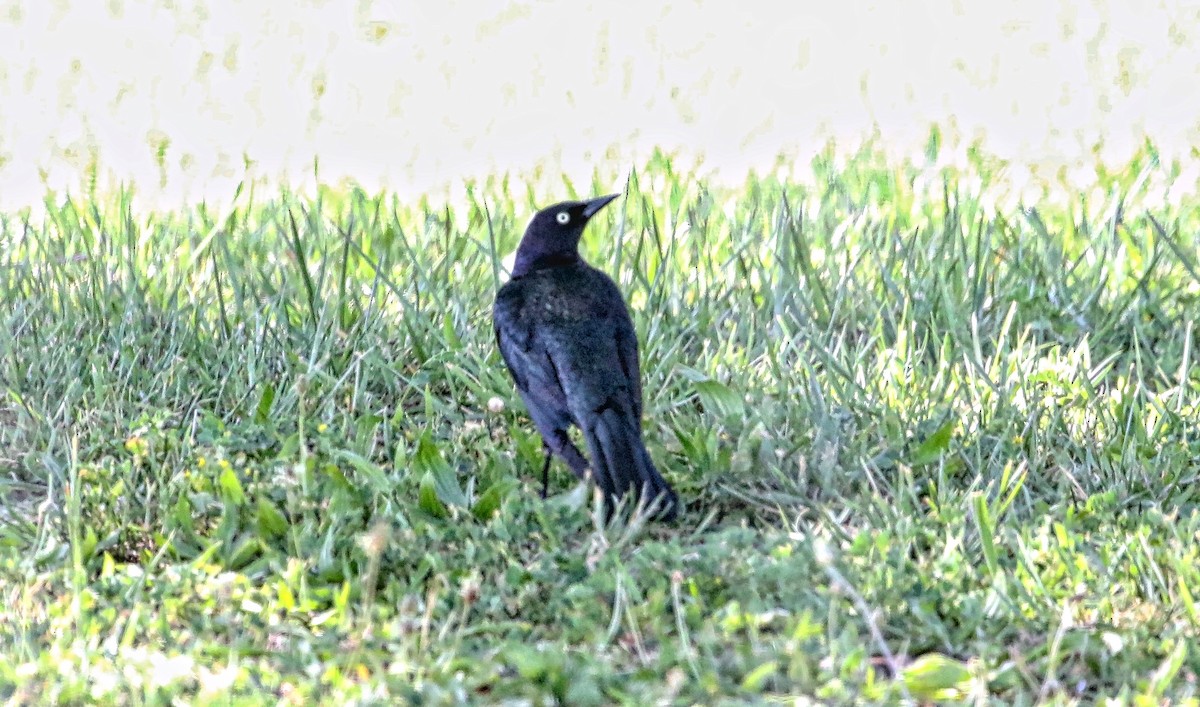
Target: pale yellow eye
563, 217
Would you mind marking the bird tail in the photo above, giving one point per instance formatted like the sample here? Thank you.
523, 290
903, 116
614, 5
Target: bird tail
621, 464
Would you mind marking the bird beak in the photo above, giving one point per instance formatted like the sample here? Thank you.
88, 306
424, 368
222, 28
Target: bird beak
591, 207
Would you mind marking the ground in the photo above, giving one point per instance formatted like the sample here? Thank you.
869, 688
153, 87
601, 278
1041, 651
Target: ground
937, 435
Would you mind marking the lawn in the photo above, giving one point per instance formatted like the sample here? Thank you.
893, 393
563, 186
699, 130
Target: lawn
938, 437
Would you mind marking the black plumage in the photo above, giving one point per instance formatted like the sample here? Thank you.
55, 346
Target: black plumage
565, 334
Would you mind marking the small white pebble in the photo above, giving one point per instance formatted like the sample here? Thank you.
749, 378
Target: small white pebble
822, 552
495, 405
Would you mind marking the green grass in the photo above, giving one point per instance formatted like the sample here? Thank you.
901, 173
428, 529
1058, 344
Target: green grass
248, 450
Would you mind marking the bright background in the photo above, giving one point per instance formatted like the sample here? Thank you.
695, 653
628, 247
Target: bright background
187, 99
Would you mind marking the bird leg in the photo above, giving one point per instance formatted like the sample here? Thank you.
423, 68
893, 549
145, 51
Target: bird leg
557, 442
546, 469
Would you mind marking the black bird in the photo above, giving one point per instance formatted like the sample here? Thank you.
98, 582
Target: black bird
566, 336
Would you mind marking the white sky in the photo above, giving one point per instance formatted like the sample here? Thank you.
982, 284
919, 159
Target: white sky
417, 96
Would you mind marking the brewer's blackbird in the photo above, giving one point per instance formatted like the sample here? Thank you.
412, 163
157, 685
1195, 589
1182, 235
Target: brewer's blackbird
566, 336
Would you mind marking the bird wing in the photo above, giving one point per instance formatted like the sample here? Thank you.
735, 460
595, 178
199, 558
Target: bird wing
626, 340
627, 355
532, 369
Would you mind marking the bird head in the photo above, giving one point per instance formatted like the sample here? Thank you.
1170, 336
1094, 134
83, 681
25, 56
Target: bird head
552, 237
